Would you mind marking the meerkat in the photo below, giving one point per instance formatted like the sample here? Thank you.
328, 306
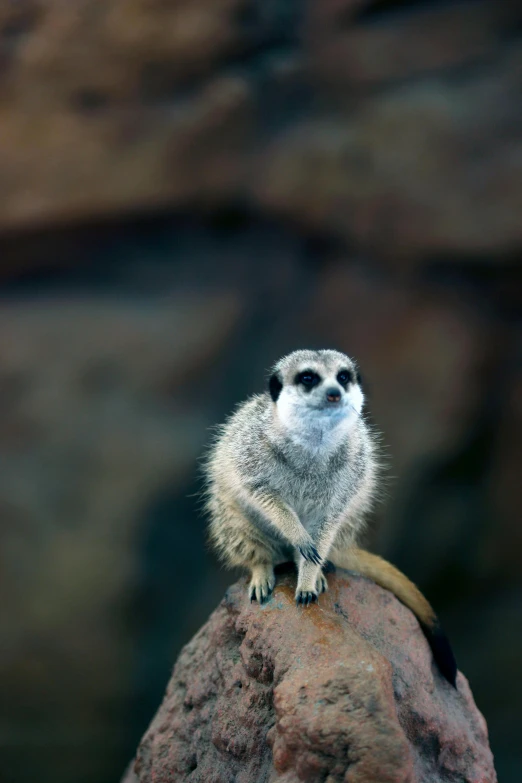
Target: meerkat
292, 475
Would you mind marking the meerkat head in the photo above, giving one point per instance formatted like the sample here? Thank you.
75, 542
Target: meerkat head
320, 385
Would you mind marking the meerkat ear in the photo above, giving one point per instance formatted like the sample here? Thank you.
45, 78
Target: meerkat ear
274, 386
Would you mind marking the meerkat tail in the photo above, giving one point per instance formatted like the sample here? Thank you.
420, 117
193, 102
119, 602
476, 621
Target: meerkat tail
389, 577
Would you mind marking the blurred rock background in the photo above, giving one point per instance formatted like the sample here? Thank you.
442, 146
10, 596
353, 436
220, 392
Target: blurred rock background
189, 189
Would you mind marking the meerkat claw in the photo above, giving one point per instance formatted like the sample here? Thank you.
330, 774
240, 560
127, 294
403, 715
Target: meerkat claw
305, 597
261, 590
266, 593
321, 585
309, 552
260, 594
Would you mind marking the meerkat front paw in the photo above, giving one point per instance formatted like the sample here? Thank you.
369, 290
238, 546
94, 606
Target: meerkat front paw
310, 583
305, 597
261, 584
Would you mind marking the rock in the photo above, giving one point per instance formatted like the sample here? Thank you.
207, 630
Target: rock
400, 134
131, 84
414, 172
344, 691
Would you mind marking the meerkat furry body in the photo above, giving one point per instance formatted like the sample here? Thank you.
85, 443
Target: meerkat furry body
292, 475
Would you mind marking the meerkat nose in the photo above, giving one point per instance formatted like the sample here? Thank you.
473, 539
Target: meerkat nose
333, 395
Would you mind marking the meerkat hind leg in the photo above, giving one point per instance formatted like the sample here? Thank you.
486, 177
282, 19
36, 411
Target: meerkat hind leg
262, 582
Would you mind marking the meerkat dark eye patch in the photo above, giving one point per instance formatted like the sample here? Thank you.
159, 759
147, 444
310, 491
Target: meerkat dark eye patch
274, 386
344, 377
308, 378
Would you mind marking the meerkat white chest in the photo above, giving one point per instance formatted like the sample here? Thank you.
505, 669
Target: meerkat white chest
318, 432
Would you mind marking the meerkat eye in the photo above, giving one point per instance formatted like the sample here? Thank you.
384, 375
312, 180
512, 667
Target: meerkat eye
308, 378
345, 377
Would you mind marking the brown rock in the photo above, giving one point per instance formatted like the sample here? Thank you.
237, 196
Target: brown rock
108, 107
413, 172
344, 691
132, 104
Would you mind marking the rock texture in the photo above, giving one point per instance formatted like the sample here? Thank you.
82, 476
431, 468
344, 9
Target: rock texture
391, 133
346, 691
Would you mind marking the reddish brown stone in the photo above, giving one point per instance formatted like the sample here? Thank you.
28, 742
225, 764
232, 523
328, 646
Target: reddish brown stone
345, 691
106, 107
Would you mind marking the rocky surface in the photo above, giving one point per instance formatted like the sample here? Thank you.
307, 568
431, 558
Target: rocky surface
391, 133
344, 691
